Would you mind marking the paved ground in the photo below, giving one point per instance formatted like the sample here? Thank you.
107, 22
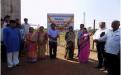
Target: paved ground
60, 66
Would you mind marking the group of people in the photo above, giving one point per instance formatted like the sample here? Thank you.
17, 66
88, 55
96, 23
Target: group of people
18, 39
83, 42
107, 44
21, 39
108, 47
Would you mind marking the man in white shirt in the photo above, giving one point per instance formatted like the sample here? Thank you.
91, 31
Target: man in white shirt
100, 45
112, 48
24, 30
26, 26
53, 35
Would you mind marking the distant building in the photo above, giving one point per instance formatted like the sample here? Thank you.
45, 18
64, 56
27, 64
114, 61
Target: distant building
12, 8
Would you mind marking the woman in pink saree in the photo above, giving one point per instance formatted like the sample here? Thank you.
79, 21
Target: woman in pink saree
84, 47
31, 40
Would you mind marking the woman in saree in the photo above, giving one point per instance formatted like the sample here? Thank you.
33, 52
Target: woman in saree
41, 41
84, 47
31, 45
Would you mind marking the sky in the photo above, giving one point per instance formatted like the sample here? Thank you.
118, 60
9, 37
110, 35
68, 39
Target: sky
100, 10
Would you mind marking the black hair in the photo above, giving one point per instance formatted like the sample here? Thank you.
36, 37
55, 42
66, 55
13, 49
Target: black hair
85, 29
70, 27
2, 19
12, 21
82, 25
7, 16
31, 28
41, 27
17, 19
115, 22
25, 19
53, 24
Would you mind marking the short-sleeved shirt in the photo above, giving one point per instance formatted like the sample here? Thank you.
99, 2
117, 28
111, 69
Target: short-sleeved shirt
53, 33
26, 28
98, 33
112, 39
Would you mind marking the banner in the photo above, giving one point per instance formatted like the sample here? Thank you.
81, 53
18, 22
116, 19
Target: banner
62, 21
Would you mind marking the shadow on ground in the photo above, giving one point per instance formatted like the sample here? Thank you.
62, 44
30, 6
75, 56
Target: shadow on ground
53, 67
